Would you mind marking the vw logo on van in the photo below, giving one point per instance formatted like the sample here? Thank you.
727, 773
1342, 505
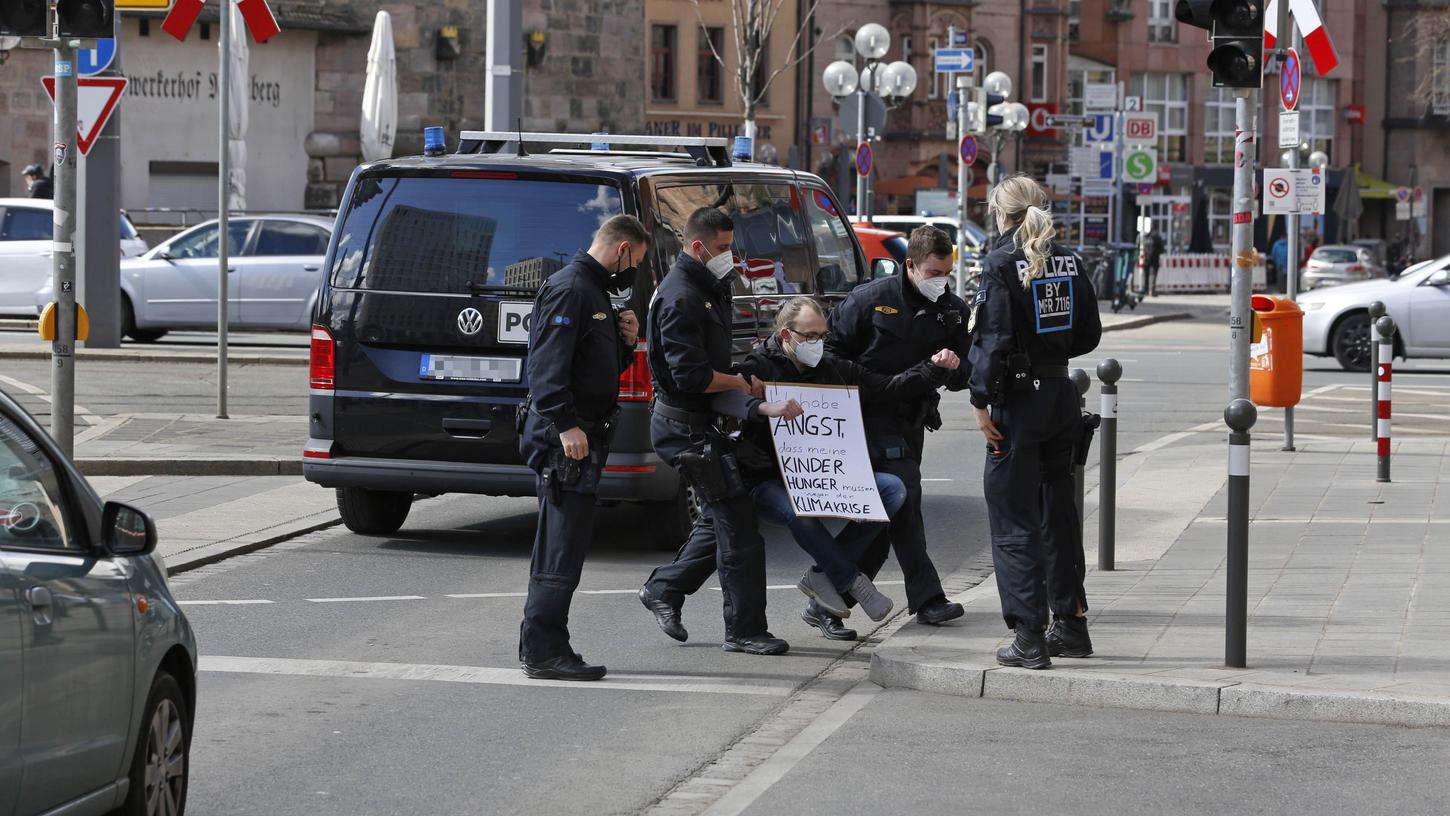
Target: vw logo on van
470, 321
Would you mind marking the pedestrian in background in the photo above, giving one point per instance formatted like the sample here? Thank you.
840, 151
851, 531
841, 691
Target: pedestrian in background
36, 182
691, 321
1152, 257
1036, 309
578, 348
888, 326
1279, 262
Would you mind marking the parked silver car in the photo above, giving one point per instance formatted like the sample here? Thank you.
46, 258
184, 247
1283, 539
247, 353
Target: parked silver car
25, 252
274, 266
97, 661
1336, 320
1334, 264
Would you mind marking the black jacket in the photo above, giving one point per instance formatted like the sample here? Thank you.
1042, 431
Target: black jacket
575, 352
43, 189
888, 327
769, 362
1052, 320
690, 322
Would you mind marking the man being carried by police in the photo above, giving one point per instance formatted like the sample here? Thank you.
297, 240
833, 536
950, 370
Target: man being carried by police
690, 324
888, 326
1036, 310
796, 354
578, 347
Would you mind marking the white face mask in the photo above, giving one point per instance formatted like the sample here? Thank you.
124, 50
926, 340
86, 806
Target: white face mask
720, 265
808, 352
932, 288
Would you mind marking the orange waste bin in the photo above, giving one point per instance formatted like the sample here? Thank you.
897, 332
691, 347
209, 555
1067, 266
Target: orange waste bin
1276, 358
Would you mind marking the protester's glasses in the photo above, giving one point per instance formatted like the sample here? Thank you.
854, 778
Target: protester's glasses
809, 338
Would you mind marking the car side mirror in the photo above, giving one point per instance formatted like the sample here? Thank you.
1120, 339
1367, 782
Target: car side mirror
883, 268
126, 530
1441, 278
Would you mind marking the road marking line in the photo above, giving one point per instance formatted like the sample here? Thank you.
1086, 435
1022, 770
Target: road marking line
368, 598
485, 675
77, 410
222, 603
771, 771
938, 480
1327, 520
1165, 441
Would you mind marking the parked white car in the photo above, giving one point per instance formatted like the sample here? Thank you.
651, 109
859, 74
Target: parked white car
25, 252
1337, 324
275, 266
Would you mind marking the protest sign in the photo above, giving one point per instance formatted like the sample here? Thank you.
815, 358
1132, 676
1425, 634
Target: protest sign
823, 456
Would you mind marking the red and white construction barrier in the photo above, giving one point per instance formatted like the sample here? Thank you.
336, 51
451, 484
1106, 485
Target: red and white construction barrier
1316, 36
1201, 272
1386, 353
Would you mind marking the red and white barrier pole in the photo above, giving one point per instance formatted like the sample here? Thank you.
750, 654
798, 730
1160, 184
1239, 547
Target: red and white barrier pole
1386, 329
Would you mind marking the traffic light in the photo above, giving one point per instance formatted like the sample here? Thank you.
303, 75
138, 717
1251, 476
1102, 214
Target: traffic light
86, 19
982, 117
1237, 28
22, 18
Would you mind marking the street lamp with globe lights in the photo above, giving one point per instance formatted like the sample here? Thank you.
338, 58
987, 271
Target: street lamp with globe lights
892, 82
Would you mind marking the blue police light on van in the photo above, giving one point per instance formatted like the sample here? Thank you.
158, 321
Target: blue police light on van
433, 141
743, 149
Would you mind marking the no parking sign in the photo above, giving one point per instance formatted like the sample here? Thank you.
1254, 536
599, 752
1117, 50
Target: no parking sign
969, 149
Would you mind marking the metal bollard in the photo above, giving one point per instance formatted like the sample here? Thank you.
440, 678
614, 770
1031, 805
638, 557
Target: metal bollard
1109, 371
1083, 382
1376, 311
1240, 416
1385, 326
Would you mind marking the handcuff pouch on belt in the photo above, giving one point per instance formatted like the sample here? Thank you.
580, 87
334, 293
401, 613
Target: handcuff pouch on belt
714, 473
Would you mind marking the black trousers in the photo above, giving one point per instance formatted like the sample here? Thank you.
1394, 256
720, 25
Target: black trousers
1030, 504
726, 538
907, 532
560, 544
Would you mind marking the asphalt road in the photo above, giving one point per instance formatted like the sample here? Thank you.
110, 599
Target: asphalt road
359, 675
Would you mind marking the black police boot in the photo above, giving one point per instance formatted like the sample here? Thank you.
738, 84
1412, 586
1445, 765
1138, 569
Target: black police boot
1068, 637
568, 667
666, 616
1028, 650
938, 611
829, 624
762, 644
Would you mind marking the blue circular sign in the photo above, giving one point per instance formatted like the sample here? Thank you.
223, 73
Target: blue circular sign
92, 61
1289, 81
969, 149
863, 159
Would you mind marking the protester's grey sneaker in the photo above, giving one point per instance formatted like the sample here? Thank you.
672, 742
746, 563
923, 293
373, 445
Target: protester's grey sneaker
818, 587
873, 603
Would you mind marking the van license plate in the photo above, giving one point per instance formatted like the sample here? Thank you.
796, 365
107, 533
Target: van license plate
470, 369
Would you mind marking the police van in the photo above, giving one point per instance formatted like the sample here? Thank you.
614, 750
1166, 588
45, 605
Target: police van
422, 323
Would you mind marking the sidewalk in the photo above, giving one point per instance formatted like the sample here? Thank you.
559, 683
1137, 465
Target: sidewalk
192, 445
1349, 595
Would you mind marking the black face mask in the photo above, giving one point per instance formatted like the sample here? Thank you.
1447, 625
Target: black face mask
621, 283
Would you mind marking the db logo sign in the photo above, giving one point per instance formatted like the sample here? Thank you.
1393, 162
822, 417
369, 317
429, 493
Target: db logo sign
1140, 128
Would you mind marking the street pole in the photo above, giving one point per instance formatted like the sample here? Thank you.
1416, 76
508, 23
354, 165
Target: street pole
505, 32
98, 266
1240, 416
224, 71
860, 140
964, 180
1291, 226
1245, 103
1109, 372
1376, 311
63, 258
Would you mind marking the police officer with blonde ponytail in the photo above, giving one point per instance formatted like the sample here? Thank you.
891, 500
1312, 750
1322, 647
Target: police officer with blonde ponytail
1036, 309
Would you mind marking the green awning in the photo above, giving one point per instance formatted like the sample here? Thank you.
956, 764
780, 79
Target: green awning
1371, 187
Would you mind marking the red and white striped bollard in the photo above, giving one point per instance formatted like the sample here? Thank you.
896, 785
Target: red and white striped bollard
1386, 328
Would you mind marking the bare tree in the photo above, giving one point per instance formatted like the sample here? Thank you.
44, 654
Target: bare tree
1430, 33
752, 22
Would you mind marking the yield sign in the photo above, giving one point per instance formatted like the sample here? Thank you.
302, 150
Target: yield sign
96, 100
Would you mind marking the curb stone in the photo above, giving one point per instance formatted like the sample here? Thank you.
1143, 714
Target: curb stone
260, 466
939, 674
1145, 320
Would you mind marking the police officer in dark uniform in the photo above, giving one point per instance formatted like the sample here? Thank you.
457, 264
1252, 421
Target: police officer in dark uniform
690, 324
1035, 310
889, 326
578, 347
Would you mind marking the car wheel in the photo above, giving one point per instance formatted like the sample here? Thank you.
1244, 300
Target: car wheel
677, 516
1351, 343
373, 512
128, 325
162, 761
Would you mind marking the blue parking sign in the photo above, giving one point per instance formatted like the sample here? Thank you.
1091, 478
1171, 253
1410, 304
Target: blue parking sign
92, 61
